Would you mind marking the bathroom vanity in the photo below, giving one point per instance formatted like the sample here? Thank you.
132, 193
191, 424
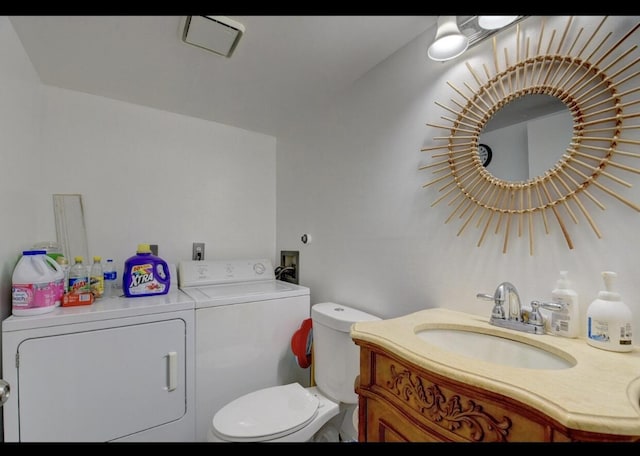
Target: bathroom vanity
411, 390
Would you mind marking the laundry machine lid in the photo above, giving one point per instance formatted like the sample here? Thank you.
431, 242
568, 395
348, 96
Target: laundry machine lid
266, 414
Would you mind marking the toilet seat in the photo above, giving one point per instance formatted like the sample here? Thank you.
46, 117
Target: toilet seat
266, 414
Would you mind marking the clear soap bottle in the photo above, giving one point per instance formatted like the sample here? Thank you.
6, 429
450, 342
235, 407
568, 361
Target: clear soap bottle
96, 277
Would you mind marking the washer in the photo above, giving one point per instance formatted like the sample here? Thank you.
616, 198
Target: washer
120, 369
244, 321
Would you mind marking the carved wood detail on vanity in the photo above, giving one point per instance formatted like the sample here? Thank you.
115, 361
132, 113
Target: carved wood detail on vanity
448, 413
400, 401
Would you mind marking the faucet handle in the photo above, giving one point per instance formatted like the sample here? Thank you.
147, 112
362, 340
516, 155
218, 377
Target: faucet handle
535, 317
486, 297
498, 309
552, 305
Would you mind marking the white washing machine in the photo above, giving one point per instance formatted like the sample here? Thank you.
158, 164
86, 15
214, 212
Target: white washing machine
244, 320
120, 369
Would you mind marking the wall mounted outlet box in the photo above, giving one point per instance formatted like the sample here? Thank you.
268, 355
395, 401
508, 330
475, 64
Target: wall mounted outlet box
290, 264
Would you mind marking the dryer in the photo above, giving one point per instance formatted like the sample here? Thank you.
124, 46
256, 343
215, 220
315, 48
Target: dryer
244, 321
120, 369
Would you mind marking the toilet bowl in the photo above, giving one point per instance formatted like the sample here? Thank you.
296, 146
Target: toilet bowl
287, 413
293, 413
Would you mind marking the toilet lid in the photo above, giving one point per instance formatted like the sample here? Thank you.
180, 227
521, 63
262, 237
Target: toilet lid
266, 414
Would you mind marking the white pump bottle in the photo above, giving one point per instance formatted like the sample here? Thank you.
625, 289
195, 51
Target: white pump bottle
564, 321
609, 319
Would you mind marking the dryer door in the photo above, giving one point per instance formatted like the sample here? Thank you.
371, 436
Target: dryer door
102, 384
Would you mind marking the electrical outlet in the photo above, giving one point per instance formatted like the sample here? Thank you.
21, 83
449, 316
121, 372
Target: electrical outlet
198, 251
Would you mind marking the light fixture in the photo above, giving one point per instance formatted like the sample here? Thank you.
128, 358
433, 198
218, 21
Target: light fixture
449, 42
495, 22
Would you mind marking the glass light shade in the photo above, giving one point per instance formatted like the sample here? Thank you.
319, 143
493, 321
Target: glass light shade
449, 42
495, 22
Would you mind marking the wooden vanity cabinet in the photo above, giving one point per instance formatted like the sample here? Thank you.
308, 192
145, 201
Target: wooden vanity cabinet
402, 402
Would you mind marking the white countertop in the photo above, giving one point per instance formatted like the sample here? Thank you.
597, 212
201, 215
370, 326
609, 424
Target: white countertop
594, 395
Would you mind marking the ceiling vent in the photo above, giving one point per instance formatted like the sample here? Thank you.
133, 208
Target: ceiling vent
217, 34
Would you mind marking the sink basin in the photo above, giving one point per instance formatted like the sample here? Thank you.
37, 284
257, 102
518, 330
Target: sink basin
494, 349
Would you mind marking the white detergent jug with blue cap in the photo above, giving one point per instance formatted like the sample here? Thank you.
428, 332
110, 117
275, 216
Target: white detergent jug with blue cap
37, 284
145, 274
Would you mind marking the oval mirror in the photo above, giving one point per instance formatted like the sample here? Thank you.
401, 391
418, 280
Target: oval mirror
527, 136
553, 189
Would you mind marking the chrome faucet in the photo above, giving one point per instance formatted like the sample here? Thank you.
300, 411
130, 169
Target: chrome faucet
514, 318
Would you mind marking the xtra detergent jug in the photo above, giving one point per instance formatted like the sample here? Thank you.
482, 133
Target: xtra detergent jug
145, 274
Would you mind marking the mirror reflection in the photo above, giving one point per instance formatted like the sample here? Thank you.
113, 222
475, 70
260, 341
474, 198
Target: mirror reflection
527, 136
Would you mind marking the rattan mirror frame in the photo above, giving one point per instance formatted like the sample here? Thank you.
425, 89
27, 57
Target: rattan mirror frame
592, 78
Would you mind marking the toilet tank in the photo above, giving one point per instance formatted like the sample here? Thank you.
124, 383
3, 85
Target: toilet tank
336, 357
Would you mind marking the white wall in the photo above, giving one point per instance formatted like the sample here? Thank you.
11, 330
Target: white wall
20, 120
349, 177
148, 176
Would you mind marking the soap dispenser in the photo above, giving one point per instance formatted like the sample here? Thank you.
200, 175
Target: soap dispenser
609, 319
564, 320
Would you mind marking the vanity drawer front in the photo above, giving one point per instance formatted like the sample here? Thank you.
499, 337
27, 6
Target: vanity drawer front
388, 424
448, 409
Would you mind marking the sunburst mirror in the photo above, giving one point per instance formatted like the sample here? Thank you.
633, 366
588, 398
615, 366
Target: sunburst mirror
594, 77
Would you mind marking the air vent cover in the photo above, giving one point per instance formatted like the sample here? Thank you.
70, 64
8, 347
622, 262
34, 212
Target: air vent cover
217, 34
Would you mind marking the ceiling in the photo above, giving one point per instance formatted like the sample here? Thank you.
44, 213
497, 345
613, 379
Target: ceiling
282, 64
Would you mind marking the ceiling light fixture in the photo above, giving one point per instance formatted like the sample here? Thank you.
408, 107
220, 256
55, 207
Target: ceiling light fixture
449, 42
495, 22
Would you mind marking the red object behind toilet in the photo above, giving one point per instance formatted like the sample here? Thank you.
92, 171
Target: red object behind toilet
301, 343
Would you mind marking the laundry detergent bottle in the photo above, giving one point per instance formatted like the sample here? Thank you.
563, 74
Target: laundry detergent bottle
145, 274
36, 284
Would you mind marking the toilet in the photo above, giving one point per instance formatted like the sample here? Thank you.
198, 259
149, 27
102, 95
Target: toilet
326, 412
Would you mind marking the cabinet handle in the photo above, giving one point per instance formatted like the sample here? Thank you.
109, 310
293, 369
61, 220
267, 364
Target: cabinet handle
173, 370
